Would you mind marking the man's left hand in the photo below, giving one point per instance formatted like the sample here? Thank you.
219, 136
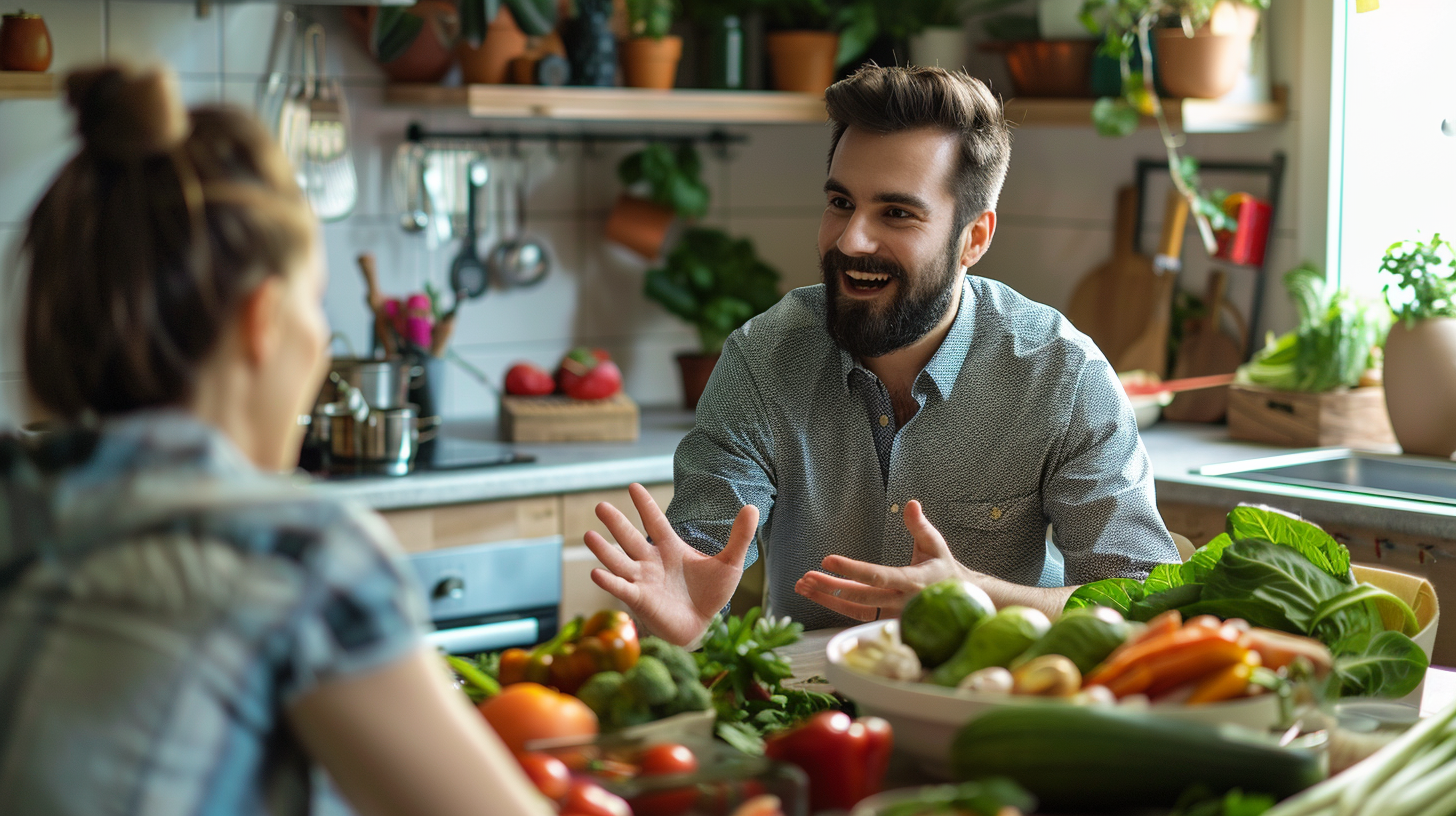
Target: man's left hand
872, 591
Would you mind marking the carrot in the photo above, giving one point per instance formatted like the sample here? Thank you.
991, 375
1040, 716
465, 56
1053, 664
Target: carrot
1226, 683
1168, 641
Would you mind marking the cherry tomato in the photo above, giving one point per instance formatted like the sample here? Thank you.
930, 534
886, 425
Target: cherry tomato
528, 711
664, 760
590, 799
549, 774
667, 758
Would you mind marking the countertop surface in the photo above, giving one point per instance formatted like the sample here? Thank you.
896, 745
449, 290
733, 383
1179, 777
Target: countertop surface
1176, 451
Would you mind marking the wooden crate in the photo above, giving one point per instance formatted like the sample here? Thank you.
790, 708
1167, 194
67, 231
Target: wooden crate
1353, 418
562, 419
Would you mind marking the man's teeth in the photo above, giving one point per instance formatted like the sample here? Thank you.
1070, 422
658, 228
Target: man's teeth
867, 276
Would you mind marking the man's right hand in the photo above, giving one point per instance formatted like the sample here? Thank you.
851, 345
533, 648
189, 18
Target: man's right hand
672, 589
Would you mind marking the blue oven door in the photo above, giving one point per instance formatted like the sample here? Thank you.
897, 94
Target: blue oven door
492, 596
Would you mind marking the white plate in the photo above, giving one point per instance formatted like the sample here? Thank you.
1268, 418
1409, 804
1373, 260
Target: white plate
925, 717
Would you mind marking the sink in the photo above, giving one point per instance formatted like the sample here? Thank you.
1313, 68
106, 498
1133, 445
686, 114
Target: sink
1373, 474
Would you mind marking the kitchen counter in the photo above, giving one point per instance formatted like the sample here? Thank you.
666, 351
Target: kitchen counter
1176, 449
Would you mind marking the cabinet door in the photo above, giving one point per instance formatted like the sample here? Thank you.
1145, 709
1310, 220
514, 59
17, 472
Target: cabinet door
579, 594
460, 525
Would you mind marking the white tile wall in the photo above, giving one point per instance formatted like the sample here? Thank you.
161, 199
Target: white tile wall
1056, 210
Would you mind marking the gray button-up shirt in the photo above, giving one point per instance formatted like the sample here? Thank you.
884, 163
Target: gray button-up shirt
1021, 423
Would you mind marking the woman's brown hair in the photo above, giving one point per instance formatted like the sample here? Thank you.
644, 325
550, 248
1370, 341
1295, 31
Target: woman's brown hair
148, 240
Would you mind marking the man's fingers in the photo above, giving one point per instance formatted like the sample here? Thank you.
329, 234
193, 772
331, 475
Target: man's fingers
864, 572
745, 527
927, 538
654, 521
625, 591
622, 530
858, 611
852, 590
611, 556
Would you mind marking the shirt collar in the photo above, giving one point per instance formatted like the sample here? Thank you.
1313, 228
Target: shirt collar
945, 365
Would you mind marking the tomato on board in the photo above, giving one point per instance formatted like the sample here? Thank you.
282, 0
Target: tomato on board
529, 711
664, 760
549, 774
667, 758
590, 799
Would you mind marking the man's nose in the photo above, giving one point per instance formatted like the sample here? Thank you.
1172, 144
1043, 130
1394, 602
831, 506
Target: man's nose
857, 238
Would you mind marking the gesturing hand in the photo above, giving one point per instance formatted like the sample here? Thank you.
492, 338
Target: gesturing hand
870, 591
671, 588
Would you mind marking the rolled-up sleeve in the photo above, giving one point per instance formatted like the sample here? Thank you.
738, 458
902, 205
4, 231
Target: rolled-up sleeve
1098, 490
725, 462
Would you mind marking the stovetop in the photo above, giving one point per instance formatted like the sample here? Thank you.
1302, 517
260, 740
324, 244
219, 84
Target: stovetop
438, 454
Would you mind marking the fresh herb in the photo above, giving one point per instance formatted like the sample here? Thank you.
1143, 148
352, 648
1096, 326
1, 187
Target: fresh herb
1234, 803
477, 684
650, 18
983, 797
1421, 288
1335, 342
715, 282
739, 666
672, 175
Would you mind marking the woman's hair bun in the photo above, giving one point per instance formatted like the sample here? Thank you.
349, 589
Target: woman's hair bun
128, 114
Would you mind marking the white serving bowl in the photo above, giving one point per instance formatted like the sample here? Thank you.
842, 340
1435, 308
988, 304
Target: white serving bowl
925, 717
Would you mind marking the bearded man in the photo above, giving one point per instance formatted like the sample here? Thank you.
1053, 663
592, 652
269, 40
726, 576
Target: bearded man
904, 422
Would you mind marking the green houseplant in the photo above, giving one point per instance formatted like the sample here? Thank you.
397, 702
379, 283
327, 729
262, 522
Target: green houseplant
1420, 351
395, 30
651, 55
809, 39
663, 182
716, 283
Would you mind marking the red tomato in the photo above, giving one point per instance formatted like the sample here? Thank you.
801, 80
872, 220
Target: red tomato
529, 711
526, 380
549, 774
588, 374
664, 760
590, 799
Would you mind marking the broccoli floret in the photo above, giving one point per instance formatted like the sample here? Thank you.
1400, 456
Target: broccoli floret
599, 690
624, 711
649, 682
679, 662
691, 696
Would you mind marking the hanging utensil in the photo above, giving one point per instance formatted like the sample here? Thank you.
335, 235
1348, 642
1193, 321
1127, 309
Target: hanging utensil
331, 184
293, 114
273, 86
409, 187
468, 275
519, 261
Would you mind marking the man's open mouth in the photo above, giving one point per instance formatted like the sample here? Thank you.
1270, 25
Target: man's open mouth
866, 281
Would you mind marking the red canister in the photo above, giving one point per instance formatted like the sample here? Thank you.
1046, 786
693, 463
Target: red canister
25, 44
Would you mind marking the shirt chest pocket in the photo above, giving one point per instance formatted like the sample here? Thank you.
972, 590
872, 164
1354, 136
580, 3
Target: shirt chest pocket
1003, 537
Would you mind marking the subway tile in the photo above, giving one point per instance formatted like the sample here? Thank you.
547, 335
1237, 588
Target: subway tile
76, 31
549, 310
788, 243
247, 36
1044, 262
38, 140
781, 166
172, 33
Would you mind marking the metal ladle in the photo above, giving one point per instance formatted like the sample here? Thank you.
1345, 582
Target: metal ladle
520, 261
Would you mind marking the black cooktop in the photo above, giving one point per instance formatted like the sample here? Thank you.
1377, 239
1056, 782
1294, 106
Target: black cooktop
440, 453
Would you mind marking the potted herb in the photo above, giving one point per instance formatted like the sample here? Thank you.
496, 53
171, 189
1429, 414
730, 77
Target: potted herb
664, 181
716, 283
491, 33
1315, 386
1420, 351
809, 39
650, 56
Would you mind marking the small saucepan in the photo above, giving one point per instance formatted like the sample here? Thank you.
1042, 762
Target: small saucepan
386, 441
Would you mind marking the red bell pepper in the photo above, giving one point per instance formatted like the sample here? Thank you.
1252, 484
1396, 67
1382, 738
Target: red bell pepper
845, 759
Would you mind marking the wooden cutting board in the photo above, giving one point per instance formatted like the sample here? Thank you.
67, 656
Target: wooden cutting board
1149, 352
563, 419
1113, 303
1207, 349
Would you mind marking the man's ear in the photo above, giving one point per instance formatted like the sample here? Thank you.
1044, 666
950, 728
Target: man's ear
976, 238
259, 331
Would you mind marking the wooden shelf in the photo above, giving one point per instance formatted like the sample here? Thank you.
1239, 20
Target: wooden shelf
771, 107
614, 104
27, 85
1191, 115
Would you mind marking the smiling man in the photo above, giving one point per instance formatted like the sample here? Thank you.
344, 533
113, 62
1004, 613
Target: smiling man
903, 422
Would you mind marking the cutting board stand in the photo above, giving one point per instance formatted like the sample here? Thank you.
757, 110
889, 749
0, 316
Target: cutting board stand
563, 419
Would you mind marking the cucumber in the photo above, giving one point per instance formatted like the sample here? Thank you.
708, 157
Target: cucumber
1086, 759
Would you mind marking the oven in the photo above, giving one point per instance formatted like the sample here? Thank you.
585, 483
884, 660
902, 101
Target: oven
492, 596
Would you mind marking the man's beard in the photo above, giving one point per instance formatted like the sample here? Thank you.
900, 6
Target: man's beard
863, 328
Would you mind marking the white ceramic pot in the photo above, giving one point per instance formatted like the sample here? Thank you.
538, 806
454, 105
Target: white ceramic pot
1062, 20
1420, 385
944, 46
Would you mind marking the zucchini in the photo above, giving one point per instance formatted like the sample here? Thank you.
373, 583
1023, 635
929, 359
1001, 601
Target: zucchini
1087, 759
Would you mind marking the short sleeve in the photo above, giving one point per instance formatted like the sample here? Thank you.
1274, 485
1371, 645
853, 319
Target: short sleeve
361, 605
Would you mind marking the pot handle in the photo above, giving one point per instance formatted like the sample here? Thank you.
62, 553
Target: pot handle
427, 428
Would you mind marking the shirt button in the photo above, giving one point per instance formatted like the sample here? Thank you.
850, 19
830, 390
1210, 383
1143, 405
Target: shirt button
884, 420
995, 513
894, 508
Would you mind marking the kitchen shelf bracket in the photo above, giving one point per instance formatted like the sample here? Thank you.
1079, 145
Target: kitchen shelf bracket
717, 140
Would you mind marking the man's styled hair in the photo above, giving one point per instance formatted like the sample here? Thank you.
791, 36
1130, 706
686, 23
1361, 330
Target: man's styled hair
891, 100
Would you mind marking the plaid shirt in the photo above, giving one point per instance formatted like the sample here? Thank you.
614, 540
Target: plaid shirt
1021, 423
161, 603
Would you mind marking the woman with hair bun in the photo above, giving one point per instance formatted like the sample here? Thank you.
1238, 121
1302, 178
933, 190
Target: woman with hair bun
182, 629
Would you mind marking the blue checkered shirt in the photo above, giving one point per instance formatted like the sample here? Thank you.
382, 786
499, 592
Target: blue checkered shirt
1021, 424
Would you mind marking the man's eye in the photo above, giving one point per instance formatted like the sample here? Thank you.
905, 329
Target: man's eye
896, 212
840, 203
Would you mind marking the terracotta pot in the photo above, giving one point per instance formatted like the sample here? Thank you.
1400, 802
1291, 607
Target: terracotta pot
1420, 385
1208, 64
649, 63
802, 61
430, 56
487, 65
639, 225
25, 43
1051, 68
695, 370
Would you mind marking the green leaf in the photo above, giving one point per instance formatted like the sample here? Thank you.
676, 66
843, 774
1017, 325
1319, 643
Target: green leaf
1388, 664
475, 18
740, 736
1257, 612
394, 32
1254, 569
1395, 615
1117, 594
537, 18
1154, 605
1114, 117
858, 27
1248, 521
1163, 577
1196, 569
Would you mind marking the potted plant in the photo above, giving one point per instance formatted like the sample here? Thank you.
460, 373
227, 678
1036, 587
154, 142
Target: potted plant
809, 39
491, 33
670, 178
1420, 351
1317, 385
650, 56
716, 283
1202, 45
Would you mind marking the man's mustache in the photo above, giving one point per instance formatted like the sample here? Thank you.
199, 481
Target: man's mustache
836, 261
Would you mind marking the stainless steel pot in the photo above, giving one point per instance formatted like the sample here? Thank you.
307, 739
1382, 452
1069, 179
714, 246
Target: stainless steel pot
384, 383
385, 442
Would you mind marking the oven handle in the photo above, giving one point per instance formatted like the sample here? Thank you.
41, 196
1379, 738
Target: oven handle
486, 637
